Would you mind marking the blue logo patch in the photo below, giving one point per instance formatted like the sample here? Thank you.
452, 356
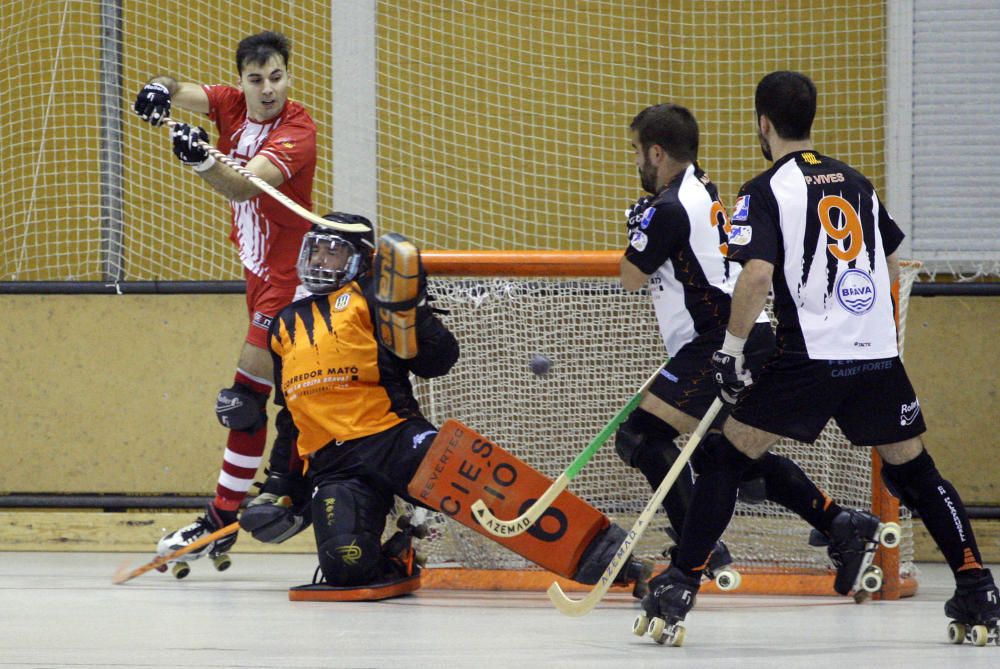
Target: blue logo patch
856, 291
647, 216
742, 210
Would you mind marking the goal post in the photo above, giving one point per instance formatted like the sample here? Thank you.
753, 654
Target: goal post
505, 307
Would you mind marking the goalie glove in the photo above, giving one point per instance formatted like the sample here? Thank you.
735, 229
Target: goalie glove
730, 374
187, 146
634, 214
153, 103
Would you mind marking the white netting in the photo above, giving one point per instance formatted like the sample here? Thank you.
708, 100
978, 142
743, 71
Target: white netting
603, 344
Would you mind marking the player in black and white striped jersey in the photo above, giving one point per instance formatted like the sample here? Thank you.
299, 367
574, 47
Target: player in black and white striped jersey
677, 239
814, 229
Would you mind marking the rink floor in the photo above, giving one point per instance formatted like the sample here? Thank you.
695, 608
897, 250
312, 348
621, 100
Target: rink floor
60, 610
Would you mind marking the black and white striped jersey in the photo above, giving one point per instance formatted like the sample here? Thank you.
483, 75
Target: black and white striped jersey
822, 226
681, 243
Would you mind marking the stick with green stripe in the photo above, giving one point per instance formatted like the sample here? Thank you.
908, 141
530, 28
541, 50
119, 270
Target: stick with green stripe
515, 526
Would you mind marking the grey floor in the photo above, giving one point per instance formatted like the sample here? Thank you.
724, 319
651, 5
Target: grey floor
60, 610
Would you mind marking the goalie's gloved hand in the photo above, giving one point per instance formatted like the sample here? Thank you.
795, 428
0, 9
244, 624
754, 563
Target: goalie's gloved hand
730, 374
153, 103
633, 215
187, 148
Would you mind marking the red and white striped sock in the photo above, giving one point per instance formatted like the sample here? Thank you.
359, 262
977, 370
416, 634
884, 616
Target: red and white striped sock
244, 451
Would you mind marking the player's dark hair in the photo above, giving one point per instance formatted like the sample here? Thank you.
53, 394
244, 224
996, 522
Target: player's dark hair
670, 126
788, 100
258, 49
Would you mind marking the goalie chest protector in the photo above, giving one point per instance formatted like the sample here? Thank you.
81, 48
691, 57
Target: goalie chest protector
462, 466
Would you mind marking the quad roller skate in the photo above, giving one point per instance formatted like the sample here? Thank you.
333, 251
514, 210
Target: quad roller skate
974, 610
214, 519
398, 549
671, 596
720, 564
851, 543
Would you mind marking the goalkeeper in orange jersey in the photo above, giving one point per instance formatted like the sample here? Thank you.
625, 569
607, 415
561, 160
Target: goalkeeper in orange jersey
344, 375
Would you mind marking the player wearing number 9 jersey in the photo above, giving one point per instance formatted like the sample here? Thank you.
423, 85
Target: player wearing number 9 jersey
814, 228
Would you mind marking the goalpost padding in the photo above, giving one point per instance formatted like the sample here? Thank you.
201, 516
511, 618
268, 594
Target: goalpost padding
603, 342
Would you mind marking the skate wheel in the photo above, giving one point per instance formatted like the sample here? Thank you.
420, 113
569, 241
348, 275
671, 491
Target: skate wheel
728, 579
180, 569
640, 625
956, 632
980, 635
655, 630
890, 535
872, 579
221, 562
678, 639
162, 569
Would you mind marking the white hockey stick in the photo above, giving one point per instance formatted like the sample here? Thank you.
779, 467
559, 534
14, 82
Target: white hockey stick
283, 199
515, 526
579, 607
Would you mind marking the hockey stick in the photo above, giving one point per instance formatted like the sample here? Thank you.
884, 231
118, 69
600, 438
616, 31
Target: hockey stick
121, 576
283, 199
515, 526
579, 607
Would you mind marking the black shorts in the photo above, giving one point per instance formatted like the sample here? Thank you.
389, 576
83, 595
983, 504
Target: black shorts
687, 381
872, 401
386, 461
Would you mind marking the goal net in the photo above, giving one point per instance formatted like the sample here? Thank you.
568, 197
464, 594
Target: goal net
603, 343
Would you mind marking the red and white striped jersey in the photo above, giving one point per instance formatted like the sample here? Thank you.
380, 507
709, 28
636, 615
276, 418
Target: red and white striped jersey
266, 233
822, 226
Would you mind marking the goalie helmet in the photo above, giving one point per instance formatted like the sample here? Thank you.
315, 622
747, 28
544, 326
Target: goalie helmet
330, 259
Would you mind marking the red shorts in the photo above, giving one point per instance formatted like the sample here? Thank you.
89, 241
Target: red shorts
264, 301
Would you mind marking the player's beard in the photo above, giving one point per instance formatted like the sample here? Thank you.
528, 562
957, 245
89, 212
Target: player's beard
765, 147
647, 177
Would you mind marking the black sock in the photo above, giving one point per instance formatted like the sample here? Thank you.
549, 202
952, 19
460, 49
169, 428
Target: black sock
713, 500
786, 484
654, 461
921, 487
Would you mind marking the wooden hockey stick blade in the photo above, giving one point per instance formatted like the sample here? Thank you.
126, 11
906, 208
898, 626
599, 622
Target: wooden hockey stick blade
579, 607
282, 199
123, 576
515, 526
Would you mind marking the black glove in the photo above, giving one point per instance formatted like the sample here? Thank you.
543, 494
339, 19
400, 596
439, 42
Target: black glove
153, 103
187, 148
730, 374
634, 214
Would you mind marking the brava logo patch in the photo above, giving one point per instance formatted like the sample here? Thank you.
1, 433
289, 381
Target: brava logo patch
856, 291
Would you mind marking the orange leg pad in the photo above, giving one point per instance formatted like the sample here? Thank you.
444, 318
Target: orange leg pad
364, 593
463, 466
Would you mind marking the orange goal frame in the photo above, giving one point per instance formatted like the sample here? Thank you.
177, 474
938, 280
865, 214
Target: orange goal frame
754, 581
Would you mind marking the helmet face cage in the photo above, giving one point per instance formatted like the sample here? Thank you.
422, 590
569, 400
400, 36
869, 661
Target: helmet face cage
327, 262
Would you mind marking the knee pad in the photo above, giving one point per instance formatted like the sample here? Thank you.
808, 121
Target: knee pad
905, 481
350, 559
239, 408
717, 454
642, 430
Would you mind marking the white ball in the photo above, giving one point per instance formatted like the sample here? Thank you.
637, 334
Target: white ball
540, 365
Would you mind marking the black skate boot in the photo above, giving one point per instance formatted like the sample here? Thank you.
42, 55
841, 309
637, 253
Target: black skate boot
720, 563
281, 509
671, 595
398, 549
974, 610
213, 520
854, 535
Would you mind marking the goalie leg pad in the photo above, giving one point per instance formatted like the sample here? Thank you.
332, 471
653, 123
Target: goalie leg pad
348, 520
240, 408
364, 593
399, 277
462, 466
